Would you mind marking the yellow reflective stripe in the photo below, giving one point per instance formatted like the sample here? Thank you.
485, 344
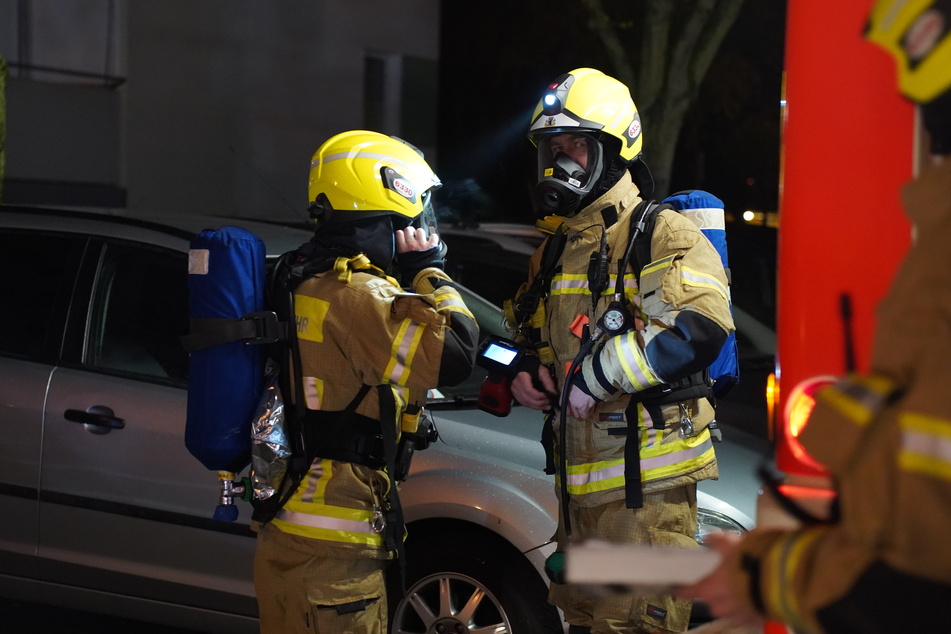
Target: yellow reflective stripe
657, 462
564, 284
633, 362
307, 514
693, 277
334, 529
310, 313
925, 445
663, 263
404, 349
858, 399
577, 284
784, 559
595, 476
447, 299
674, 458
454, 304
313, 392
630, 285
314, 486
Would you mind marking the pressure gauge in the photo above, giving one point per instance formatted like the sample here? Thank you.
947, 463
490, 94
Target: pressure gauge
615, 319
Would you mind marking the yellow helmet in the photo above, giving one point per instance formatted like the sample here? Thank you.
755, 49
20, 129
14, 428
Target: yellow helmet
599, 115
359, 174
917, 33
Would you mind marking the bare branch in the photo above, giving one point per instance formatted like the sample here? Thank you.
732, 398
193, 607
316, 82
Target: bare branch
601, 23
721, 20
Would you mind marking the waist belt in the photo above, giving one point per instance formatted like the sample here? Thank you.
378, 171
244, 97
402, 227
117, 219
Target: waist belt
359, 440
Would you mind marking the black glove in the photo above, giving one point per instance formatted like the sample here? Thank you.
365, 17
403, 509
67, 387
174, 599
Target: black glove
410, 263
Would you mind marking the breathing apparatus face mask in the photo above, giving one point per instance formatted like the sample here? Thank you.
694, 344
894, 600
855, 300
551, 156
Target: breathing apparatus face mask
570, 165
426, 219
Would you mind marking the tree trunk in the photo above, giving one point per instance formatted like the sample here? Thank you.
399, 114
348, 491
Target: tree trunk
663, 61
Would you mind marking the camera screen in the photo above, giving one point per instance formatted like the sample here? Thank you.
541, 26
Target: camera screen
501, 354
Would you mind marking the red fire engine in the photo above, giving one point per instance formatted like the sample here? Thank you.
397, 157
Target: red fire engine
849, 143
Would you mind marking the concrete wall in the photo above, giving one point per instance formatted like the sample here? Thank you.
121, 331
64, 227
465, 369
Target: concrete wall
224, 101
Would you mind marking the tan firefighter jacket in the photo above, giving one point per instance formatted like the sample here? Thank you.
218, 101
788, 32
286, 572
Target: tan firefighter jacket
354, 328
886, 439
686, 275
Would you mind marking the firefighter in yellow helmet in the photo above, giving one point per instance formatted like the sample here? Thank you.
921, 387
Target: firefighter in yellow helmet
367, 352
627, 459
884, 565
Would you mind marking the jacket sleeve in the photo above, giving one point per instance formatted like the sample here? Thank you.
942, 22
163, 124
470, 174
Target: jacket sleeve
819, 579
460, 331
686, 311
884, 564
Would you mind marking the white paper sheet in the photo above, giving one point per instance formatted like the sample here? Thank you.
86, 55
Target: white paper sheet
595, 562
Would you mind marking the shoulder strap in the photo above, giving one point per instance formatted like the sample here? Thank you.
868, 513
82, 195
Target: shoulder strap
526, 304
641, 242
639, 245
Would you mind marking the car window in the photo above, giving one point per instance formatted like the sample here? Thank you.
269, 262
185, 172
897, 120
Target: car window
138, 312
37, 269
490, 320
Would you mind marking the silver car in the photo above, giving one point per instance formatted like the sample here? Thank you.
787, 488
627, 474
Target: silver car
106, 511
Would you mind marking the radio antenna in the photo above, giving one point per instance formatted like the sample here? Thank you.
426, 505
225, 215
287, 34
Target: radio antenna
845, 311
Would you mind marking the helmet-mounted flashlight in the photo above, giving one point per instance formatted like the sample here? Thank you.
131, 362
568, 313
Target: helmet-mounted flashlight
551, 103
554, 98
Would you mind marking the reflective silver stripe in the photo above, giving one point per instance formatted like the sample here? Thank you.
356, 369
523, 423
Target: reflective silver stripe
675, 457
706, 218
696, 278
453, 303
926, 445
339, 156
398, 370
597, 475
311, 394
328, 523
633, 362
569, 285
648, 463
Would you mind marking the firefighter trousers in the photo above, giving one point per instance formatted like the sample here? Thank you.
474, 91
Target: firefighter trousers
668, 518
299, 592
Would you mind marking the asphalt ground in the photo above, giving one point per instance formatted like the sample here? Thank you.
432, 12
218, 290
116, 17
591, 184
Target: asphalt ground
31, 618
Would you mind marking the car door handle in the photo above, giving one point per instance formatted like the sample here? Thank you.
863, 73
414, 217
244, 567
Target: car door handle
101, 418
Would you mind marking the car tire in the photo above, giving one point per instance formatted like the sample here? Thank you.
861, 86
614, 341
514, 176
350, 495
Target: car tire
466, 580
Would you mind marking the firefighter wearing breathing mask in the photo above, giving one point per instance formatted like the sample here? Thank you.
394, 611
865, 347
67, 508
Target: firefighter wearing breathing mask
884, 565
628, 425
368, 352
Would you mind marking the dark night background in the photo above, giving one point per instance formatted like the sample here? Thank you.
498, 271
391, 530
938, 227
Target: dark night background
494, 66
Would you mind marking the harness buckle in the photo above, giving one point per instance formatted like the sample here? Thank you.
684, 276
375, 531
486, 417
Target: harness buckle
378, 521
686, 425
266, 327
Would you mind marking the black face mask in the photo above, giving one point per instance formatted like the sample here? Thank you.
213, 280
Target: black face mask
936, 116
373, 237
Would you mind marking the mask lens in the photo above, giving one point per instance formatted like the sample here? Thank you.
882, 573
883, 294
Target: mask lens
571, 158
427, 218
